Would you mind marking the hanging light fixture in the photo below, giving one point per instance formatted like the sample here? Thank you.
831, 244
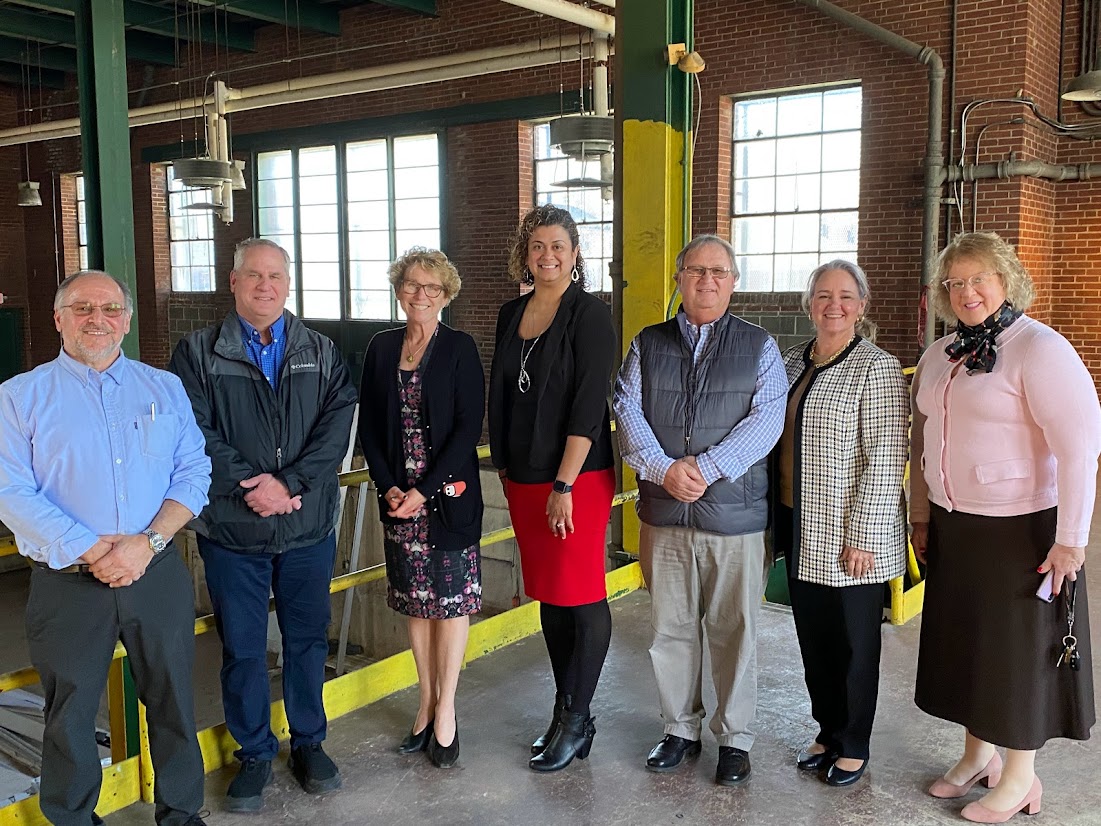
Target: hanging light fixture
1086, 86
29, 196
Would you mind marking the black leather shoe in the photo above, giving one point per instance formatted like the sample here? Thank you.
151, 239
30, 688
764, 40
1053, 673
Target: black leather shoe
573, 738
840, 777
733, 766
416, 741
561, 703
444, 757
811, 762
314, 770
670, 753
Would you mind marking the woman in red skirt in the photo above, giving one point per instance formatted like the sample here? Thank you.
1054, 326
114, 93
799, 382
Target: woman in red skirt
552, 445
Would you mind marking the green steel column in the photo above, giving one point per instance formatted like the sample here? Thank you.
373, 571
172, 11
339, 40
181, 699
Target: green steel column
653, 174
105, 141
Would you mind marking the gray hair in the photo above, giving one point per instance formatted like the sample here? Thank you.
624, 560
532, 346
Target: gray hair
250, 243
704, 240
864, 325
67, 284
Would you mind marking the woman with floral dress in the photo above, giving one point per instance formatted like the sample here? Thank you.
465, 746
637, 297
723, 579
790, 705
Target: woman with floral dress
421, 405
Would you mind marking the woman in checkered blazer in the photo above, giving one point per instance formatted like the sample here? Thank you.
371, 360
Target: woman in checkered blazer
839, 516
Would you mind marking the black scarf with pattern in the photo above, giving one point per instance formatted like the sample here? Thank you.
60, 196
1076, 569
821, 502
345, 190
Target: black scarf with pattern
979, 343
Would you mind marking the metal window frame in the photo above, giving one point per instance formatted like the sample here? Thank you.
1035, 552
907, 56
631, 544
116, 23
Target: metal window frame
172, 269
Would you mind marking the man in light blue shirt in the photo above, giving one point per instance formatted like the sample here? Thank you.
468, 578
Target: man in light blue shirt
699, 403
101, 462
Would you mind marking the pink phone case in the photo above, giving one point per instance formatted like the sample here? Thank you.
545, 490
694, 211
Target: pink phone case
1044, 591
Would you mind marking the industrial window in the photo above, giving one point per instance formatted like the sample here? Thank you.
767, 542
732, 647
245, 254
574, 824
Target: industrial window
344, 212
81, 223
796, 192
586, 204
191, 237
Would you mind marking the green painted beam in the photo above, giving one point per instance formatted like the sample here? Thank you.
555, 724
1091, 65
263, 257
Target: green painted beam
49, 28
16, 75
61, 58
301, 14
425, 7
150, 48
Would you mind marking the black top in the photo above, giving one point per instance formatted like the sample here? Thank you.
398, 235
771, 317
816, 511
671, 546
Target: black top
453, 399
570, 370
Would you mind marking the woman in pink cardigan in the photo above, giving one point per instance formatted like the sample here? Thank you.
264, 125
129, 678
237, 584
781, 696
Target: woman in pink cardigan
1006, 434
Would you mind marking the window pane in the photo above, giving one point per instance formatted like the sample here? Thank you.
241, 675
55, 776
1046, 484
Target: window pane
798, 193
317, 160
420, 182
318, 218
373, 304
320, 247
791, 271
417, 150
368, 186
366, 155
180, 253
756, 273
370, 275
80, 187
202, 279
201, 252
317, 190
276, 220
802, 154
754, 195
317, 304
275, 193
839, 231
841, 150
753, 234
369, 215
321, 277
799, 114
369, 246
273, 165
797, 233
840, 190
417, 213
405, 239
841, 108
755, 118
754, 160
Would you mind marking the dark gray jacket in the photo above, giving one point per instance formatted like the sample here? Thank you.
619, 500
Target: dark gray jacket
299, 434
690, 408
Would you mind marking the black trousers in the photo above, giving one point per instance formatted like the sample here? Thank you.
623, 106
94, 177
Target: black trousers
839, 638
73, 623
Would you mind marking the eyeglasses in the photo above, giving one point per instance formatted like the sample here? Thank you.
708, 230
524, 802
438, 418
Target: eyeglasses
957, 285
718, 273
83, 309
430, 290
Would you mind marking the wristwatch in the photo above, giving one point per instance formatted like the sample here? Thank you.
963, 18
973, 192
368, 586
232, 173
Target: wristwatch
156, 541
561, 487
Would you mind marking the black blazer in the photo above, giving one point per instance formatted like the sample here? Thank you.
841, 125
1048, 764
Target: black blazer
571, 389
453, 396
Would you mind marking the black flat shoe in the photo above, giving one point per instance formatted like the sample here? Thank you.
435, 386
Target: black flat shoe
561, 703
733, 766
573, 738
812, 762
443, 757
670, 753
416, 741
840, 777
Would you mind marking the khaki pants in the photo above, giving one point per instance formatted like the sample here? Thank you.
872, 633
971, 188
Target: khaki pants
703, 582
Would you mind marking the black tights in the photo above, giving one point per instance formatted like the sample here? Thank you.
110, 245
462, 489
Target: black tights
577, 640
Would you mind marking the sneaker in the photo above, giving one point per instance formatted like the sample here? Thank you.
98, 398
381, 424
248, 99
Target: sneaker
313, 769
196, 820
246, 792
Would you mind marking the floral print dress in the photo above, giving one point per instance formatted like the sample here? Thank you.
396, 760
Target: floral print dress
423, 581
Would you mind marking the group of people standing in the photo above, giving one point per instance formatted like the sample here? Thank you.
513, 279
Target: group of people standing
732, 442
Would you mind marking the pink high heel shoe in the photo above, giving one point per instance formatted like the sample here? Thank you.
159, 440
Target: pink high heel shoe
989, 775
978, 813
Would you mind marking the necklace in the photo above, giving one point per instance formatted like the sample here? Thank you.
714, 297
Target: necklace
829, 359
524, 381
409, 358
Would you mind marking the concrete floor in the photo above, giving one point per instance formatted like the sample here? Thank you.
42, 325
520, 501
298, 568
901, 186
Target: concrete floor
504, 700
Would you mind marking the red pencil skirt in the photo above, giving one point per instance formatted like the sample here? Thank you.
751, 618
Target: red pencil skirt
566, 571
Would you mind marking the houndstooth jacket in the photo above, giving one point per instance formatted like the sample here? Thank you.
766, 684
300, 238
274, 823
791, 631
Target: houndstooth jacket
850, 456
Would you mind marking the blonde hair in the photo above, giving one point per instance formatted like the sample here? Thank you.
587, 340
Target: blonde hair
429, 260
994, 252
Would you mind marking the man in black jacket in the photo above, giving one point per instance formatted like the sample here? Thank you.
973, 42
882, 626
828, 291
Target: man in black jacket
275, 402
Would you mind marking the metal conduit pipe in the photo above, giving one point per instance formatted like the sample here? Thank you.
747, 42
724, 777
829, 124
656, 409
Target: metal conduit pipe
934, 149
193, 107
570, 12
1027, 169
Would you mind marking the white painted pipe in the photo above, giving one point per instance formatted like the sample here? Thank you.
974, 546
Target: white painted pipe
601, 51
570, 12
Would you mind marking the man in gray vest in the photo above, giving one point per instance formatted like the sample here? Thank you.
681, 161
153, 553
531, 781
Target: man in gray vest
699, 404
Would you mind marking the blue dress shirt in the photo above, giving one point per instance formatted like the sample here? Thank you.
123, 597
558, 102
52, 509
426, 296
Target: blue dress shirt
749, 440
84, 454
268, 357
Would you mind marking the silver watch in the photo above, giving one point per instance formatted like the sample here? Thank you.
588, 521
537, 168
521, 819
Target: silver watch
156, 541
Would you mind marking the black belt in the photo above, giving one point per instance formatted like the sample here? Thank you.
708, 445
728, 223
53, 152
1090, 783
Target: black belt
72, 569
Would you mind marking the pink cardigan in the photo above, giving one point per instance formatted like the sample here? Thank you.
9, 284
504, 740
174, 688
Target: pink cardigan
1017, 440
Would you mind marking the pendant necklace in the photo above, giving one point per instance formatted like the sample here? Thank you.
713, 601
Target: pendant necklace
524, 381
409, 358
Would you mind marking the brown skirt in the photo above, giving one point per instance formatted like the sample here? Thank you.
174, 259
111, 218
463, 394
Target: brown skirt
989, 645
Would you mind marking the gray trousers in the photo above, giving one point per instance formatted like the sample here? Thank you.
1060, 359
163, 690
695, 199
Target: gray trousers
73, 623
705, 583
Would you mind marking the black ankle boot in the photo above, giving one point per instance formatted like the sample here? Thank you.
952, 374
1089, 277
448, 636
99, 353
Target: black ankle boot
561, 703
573, 738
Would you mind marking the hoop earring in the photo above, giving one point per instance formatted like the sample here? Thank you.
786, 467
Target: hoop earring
528, 277
575, 276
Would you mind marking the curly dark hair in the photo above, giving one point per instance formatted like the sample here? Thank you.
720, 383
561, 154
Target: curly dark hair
547, 215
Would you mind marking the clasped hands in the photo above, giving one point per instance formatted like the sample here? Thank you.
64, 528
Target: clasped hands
684, 481
119, 560
404, 504
268, 496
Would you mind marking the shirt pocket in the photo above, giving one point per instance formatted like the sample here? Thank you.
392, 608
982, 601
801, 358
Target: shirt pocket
1003, 471
158, 435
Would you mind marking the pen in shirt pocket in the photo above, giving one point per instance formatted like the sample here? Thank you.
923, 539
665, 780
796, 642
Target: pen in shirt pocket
153, 411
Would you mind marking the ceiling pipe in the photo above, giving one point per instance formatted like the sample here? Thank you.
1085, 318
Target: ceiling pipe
1028, 169
571, 13
934, 149
413, 72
